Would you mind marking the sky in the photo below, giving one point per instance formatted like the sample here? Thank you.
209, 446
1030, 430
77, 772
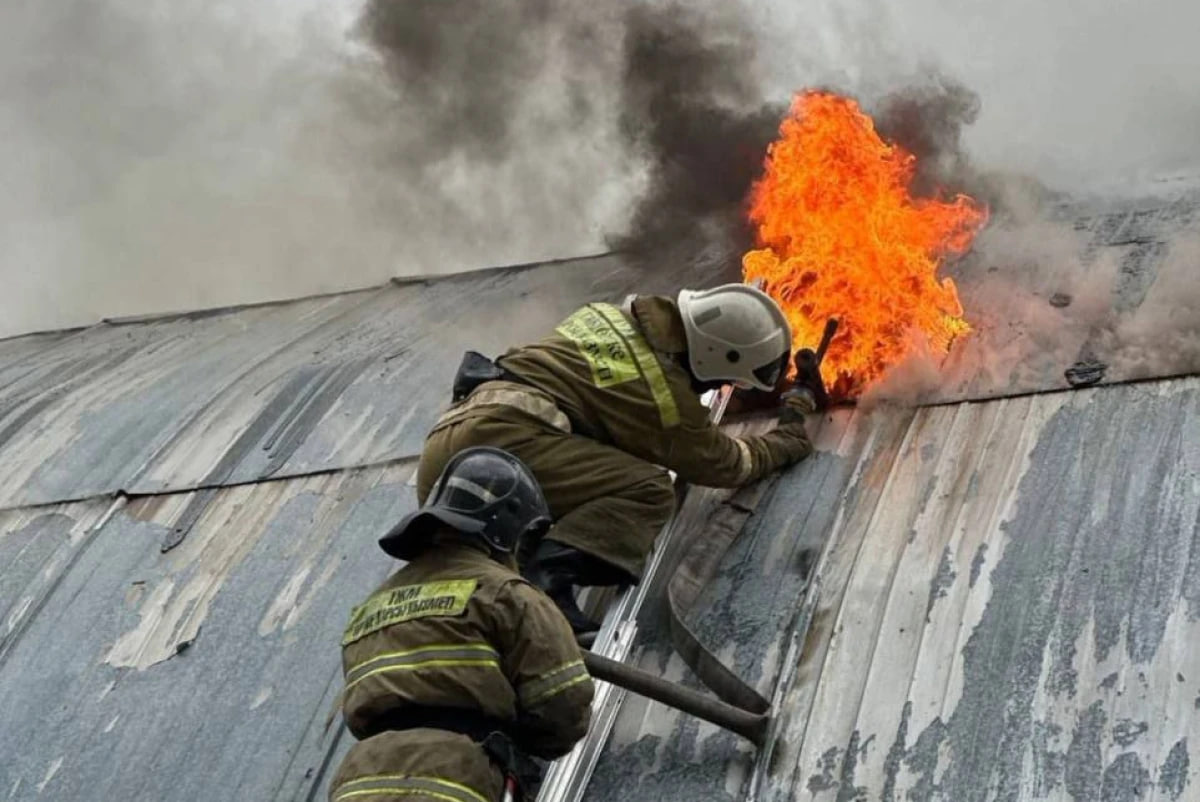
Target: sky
166, 155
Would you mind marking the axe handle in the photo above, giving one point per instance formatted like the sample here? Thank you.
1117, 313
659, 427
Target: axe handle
831, 327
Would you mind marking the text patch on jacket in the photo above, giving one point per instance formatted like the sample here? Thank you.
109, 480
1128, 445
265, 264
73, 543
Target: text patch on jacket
408, 602
602, 346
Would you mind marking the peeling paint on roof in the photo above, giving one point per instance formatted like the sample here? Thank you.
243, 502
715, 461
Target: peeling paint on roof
1078, 516
99, 674
37, 548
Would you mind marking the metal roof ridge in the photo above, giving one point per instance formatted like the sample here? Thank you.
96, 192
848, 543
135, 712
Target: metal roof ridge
47, 332
394, 281
419, 278
214, 311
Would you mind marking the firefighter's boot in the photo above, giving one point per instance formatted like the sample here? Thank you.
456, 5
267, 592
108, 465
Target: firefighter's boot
555, 568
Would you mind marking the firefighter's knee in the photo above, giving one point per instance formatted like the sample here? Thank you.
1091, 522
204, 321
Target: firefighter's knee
657, 493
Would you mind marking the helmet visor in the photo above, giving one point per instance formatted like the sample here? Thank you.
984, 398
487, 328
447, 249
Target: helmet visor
468, 496
770, 373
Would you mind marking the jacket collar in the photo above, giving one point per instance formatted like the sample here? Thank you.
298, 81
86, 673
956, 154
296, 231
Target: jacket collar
660, 323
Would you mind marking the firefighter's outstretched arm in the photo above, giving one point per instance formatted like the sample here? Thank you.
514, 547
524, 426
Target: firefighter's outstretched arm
708, 456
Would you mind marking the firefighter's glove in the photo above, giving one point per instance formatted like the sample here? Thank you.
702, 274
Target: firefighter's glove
797, 402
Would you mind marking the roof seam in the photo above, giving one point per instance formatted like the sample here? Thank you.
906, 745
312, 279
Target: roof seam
199, 487
949, 402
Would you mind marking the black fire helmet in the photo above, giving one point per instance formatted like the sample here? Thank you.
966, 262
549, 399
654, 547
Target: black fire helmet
482, 491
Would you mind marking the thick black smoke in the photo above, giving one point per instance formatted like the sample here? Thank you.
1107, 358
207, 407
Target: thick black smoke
927, 119
682, 81
692, 108
689, 107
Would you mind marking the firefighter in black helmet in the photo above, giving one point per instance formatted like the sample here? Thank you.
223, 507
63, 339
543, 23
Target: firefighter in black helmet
456, 668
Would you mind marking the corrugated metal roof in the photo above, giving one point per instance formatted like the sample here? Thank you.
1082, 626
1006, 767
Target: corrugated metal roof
1006, 605
235, 395
268, 446
205, 673
276, 441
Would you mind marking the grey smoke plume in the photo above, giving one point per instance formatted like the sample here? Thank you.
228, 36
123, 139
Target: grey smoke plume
203, 155
200, 154
1048, 286
1161, 335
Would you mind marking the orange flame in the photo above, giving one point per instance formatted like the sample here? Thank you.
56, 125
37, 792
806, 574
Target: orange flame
840, 236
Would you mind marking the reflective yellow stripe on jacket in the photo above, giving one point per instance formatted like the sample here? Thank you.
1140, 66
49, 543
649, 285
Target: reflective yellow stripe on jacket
552, 682
439, 655
526, 399
406, 784
617, 353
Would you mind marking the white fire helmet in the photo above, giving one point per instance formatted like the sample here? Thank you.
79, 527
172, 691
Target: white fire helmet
735, 333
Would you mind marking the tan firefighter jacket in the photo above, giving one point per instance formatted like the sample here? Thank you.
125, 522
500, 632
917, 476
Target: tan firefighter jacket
618, 377
456, 629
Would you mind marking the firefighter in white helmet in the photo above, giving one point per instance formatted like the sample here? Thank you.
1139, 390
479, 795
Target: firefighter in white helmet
602, 408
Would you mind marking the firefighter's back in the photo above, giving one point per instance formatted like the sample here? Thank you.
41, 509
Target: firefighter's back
452, 647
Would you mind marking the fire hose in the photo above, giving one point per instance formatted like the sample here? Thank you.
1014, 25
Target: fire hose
740, 708
752, 726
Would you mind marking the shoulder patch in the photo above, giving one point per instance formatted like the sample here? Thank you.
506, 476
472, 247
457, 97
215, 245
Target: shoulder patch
406, 603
